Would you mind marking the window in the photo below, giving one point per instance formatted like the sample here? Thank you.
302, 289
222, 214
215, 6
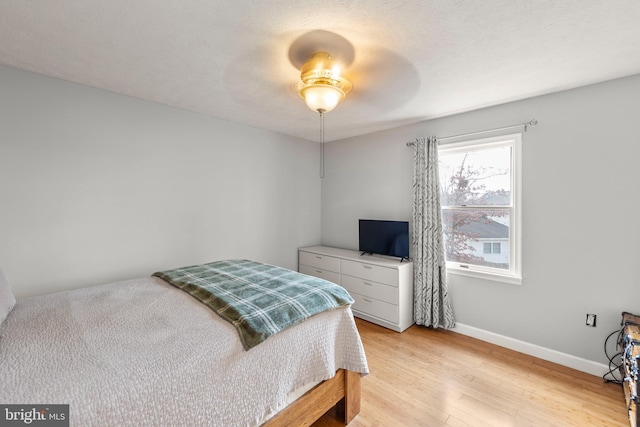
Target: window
492, 248
480, 196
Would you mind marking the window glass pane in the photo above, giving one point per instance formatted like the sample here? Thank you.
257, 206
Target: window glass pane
487, 248
467, 230
476, 177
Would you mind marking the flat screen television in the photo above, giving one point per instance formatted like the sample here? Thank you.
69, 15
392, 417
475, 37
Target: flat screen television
382, 237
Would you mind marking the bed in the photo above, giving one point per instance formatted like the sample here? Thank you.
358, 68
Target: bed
144, 351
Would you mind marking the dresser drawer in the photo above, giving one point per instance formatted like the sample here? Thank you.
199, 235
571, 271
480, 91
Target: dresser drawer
388, 276
369, 288
323, 262
318, 272
374, 307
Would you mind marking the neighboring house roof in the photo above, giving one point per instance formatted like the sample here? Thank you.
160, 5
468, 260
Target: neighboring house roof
502, 197
490, 198
486, 230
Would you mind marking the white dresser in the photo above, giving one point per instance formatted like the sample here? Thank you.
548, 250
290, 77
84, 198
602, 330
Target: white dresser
382, 287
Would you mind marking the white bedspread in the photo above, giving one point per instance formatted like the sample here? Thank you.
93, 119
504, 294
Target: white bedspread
141, 352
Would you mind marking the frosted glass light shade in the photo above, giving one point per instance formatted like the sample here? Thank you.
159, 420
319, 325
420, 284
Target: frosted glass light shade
322, 97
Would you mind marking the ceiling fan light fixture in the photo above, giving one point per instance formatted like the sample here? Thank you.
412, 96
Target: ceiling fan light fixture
321, 85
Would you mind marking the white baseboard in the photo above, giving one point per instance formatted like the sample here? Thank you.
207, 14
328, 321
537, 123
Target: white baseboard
584, 365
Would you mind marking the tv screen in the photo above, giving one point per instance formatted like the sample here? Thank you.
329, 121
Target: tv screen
384, 237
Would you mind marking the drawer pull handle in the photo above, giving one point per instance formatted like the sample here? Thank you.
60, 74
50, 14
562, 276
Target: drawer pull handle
367, 267
367, 300
368, 284
318, 257
319, 271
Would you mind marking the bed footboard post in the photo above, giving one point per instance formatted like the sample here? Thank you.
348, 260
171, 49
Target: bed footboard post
349, 406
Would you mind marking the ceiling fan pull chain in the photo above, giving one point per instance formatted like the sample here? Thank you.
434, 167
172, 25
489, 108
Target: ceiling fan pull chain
321, 112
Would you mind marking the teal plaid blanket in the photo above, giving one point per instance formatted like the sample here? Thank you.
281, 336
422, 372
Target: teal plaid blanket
258, 299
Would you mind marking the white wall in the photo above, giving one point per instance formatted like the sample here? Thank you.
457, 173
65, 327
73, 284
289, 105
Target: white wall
96, 187
580, 188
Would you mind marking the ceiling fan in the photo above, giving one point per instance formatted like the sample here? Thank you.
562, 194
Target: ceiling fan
327, 69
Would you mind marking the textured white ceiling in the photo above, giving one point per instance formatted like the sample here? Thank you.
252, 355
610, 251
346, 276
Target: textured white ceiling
408, 60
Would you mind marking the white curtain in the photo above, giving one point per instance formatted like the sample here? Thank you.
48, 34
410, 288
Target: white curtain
432, 305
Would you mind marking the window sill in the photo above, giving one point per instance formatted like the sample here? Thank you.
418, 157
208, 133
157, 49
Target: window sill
513, 280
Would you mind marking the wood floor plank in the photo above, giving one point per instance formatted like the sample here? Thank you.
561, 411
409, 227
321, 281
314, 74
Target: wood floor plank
434, 378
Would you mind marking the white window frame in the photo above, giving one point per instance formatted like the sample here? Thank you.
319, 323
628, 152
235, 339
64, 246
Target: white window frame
514, 274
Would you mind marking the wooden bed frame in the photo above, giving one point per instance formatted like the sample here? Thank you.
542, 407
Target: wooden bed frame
342, 390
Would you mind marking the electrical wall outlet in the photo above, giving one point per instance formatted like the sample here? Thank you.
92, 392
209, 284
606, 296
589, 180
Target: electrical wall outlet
591, 320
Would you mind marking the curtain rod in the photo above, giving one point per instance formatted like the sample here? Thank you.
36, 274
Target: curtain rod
530, 123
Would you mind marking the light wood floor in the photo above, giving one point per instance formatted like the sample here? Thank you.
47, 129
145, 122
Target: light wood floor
426, 377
